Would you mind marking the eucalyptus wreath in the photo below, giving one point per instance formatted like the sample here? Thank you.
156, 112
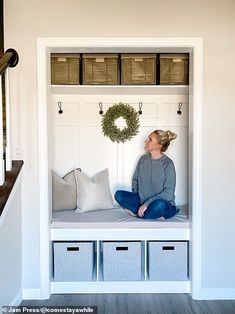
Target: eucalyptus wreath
111, 130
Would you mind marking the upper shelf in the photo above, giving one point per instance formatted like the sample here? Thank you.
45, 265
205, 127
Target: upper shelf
124, 90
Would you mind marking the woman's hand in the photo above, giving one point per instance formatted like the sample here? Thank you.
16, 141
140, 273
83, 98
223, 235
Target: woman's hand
141, 210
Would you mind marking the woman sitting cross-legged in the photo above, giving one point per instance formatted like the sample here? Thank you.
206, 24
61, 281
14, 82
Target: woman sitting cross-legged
153, 183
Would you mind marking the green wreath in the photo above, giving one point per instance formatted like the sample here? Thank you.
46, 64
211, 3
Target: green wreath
111, 130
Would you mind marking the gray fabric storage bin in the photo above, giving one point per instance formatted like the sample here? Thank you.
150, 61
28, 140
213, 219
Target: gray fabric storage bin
73, 261
168, 260
121, 261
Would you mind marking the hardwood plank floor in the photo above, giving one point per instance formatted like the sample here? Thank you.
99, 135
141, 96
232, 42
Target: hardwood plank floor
139, 303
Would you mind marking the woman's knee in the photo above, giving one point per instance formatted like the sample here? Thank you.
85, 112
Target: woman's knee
119, 195
160, 205
156, 209
170, 212
166, 208
153, 211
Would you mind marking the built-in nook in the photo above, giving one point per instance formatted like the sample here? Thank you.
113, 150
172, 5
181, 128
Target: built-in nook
74, 139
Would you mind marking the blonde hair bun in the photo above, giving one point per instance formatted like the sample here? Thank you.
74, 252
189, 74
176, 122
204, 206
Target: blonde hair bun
171, 135
164, 138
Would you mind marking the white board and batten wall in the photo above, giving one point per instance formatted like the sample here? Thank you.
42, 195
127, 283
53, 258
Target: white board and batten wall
78, 142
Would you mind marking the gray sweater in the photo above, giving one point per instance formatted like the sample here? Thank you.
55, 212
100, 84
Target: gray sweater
154, 179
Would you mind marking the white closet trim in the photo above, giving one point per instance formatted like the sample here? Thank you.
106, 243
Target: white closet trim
44, 46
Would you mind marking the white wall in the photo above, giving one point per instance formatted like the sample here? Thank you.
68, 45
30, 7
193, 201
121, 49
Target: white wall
26, 20
11, 249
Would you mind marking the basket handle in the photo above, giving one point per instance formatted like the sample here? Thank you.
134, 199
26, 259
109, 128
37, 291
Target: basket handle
168, 248
122, 248
76, 248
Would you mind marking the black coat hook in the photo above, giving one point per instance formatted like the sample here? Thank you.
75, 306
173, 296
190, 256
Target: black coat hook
179, 108
101, 108
60, 107
140, 107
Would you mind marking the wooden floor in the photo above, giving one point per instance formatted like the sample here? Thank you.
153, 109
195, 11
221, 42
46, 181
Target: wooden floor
139, 303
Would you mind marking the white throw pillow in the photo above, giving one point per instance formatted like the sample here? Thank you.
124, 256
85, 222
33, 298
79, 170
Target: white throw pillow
94, 193
64, 191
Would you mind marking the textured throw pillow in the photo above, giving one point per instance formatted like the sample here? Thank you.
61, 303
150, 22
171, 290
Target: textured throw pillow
94, 193
64, 191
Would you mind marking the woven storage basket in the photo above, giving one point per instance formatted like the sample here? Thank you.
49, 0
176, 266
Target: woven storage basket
100, 69
65, 69
138, 69
174, 69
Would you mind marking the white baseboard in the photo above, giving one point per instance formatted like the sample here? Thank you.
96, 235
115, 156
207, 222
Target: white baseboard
121, 287
17, 299
31, 294
206, 294
217, 294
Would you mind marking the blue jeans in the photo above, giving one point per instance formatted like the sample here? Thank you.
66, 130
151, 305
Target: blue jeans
156, 209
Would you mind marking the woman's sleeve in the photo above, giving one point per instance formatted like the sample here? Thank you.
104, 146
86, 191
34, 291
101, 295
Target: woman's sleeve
168, 192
